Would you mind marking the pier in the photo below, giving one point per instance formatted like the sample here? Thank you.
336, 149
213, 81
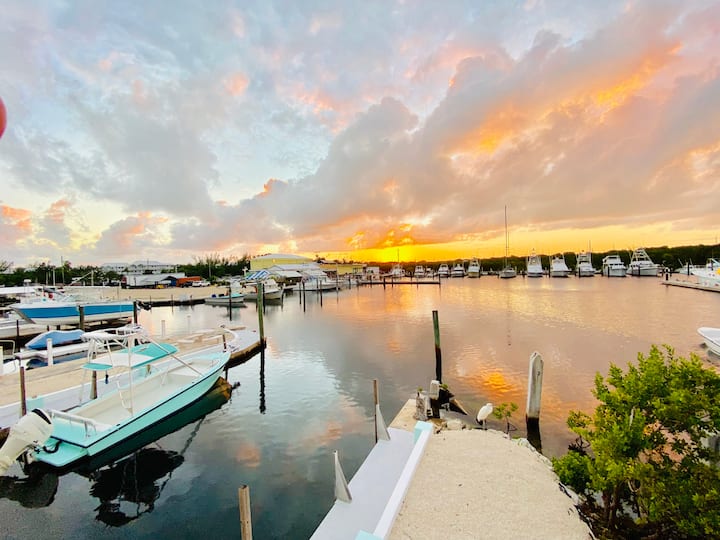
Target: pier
690, 285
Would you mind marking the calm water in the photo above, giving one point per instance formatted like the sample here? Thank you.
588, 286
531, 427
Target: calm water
312, 394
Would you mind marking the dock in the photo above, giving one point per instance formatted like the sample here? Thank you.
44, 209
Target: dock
691, 285
59, 386
452, 483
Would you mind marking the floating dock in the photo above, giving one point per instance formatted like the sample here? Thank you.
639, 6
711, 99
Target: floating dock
691, 285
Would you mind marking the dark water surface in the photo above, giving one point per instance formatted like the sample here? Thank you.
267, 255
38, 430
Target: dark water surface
312, 393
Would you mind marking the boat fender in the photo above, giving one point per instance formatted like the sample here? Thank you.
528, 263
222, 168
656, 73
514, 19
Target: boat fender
31, 431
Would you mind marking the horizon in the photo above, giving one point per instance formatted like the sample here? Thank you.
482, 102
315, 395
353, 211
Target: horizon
356, 130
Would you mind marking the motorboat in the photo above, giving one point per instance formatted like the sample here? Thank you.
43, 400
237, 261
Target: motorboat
317, 280
153, 389
235, 298
711, 337
507, 270
52, 346
613, 266
63, 309
419, 272
708, 275
473, 269
558, 267
271, 290
458, 270
642, 265
534, 266
443, 270
584, 267
396, 272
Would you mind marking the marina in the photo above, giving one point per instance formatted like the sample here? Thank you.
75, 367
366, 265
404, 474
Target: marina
310, 393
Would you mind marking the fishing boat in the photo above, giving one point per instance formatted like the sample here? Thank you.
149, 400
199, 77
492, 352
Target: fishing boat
534, 265
233, 299
458, 270
612, 266
558, 267
419, 272
507, 270
584, 266
711, 337
642, 265
473, 269
708, 275
158, 384
443, 271
396, 272
271, 290
66, 310
53, 346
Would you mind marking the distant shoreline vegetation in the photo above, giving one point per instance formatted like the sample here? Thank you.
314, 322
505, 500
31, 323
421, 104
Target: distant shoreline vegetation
214, 266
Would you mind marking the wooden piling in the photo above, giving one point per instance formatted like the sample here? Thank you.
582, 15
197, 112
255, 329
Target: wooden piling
438, 352
23, 404
245, 517
93, 386
260, 308
535, 376
49, 352
81, 310
375, 402
135, 313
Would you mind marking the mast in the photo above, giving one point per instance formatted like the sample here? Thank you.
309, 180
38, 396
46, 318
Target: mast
507, 239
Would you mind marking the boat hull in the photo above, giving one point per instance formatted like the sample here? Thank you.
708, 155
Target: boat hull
53, 313
711, 336
648, 271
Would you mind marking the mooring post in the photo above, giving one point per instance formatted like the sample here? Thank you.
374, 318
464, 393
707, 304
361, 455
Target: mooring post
438, 352
162, 329
23, 405
260, 306
135, 315
535, 376
49, 352
375, 401
81, 311
245, 517
93, 386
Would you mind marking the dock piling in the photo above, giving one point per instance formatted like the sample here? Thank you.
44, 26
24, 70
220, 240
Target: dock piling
81, 311
342, 490
49, 350
535, 376
245, 517
23, 404
260, 308
438, 352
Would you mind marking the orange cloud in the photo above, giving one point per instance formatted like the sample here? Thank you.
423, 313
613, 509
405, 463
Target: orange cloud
57, 210
18, 217
237, 84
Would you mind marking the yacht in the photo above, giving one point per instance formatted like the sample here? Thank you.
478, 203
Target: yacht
443, 270
396, 272
708, 275
419, 271
642, 265
458, 270
534, 265
584, 266
612, 266
558, 268
473, 269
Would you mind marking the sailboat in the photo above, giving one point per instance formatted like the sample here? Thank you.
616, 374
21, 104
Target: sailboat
507, 270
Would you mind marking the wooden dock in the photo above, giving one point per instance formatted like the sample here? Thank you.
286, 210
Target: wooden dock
691, 285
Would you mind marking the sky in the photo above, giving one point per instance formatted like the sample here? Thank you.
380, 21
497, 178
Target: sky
374, 130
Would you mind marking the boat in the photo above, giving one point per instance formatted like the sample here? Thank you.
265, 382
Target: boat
612, 266
458, 270
233, 299
708, 275
584, 266
396, 272
507, 270
534, 265
642, 265
711, 337
419, 272
443, 270
66, 310
473, 269
52, 346
152, 391
558, 267
271, 290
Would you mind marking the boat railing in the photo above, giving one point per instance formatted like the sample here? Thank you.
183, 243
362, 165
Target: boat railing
87, 423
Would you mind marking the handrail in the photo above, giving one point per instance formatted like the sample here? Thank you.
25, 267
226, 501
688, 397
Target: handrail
86, 422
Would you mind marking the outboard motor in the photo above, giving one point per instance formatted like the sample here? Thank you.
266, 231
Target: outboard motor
33, 429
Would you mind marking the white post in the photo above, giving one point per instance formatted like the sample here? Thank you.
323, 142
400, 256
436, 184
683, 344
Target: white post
49, 349
188, 321
2, 360
342, 491
535, 376
162, 329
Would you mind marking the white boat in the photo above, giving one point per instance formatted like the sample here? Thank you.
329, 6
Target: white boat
318, 280
584, 266
473, 269
507, 270
443, 271
153, 391
612, 266
708, 275
534, 265
65, 309
271, 290
711, 337
458, 270
235, 298
558, 267
642, 265
419, 272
